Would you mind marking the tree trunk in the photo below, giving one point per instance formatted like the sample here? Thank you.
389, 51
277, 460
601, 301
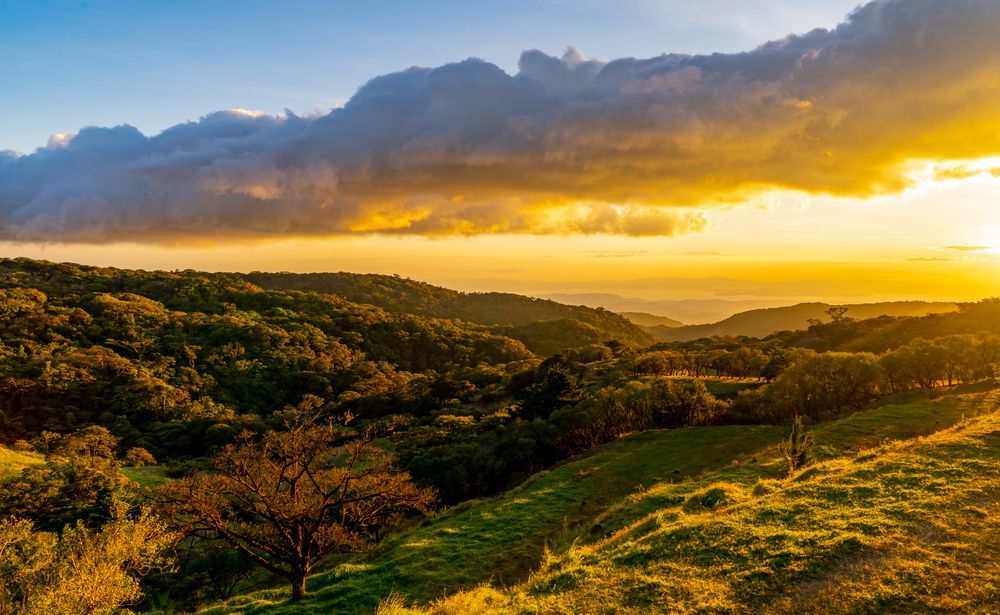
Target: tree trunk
298, 580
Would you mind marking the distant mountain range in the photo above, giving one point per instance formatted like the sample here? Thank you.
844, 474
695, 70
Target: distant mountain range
763, 322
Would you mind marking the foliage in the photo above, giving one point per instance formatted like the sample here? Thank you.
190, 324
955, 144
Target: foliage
82, 570
546, 327
79, 482
179, 363
797, 448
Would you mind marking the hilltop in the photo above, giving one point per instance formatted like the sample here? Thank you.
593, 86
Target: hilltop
651, 320
765, 321
692, 311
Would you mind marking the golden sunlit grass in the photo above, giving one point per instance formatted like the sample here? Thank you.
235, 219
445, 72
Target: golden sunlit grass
726, 533
910, 526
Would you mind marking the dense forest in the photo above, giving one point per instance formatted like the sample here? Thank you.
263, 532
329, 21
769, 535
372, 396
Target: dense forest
544, 326
225, 413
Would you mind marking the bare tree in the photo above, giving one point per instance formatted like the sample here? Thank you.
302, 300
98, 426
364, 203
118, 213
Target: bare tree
295, 497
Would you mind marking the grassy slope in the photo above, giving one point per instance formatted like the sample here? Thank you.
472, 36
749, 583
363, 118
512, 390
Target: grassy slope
503, 538
146, 476
906, 526
626, 532
12, 462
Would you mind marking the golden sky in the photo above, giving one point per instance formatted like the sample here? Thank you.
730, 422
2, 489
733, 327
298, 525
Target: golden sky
850, 164
940, 240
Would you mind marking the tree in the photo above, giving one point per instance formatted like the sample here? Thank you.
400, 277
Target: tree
62, 492
92, 445
82, 570
138, 457
294, 498
837, 314
822, 385
797, 449
554, 387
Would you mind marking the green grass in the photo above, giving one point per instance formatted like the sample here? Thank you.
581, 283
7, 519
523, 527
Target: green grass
146, 476
12, 462
502, 539
906, 415
910, 527
700, 519
727, 389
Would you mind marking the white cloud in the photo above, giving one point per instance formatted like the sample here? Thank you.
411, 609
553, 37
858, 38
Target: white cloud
565, 145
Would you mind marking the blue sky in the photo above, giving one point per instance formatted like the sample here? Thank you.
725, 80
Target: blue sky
803, 170
69, 64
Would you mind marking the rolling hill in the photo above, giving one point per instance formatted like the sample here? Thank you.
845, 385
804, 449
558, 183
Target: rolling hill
694, 311
517, 316
765, 321
651, 320
702, 519
909, 526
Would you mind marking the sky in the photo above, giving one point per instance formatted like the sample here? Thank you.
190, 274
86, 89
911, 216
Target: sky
652, 149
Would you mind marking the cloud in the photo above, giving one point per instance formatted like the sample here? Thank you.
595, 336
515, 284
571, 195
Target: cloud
967, 248
566, 145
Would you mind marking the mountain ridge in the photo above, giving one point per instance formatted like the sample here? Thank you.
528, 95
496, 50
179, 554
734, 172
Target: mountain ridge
765, 321
517, 316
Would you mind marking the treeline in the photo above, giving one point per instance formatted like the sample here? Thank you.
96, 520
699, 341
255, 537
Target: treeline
820, 385
879, 335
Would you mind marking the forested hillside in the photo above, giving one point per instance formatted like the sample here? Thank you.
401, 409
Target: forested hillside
295, 440
522, 317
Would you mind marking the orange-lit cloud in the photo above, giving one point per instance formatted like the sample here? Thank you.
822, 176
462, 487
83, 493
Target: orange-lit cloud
567, 145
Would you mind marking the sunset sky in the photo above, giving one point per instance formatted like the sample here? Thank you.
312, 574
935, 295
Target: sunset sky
777, 149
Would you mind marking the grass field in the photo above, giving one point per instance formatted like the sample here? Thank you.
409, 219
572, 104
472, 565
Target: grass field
146, 476
702, 519
908, 526
12, 462
502, 539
